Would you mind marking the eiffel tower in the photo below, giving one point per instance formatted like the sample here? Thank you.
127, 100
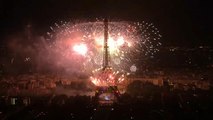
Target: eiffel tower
107, 94
106, 55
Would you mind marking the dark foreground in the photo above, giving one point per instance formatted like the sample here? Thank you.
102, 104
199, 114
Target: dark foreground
153, 104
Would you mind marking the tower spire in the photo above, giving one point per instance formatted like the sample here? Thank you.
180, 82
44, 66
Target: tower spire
106, 47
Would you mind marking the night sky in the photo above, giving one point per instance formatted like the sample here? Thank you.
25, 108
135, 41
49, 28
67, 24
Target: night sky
181, 22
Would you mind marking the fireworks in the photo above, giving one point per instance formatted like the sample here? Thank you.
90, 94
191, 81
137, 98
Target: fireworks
82, 45
80, 49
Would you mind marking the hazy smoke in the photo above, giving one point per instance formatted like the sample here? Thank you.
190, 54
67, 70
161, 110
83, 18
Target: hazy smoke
35, 54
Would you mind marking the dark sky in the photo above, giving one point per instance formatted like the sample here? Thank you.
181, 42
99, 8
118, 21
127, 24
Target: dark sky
181, 22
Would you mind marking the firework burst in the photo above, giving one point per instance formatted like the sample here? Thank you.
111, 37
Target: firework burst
82, 45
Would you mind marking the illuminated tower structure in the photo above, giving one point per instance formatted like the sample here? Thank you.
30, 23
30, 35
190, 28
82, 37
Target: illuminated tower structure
107, 77
107, 73
107, 93
106, 47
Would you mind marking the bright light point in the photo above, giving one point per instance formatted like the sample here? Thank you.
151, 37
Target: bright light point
99, 41
133, 68
117, 61
112, 45
120, 41
129, 44
80, 49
